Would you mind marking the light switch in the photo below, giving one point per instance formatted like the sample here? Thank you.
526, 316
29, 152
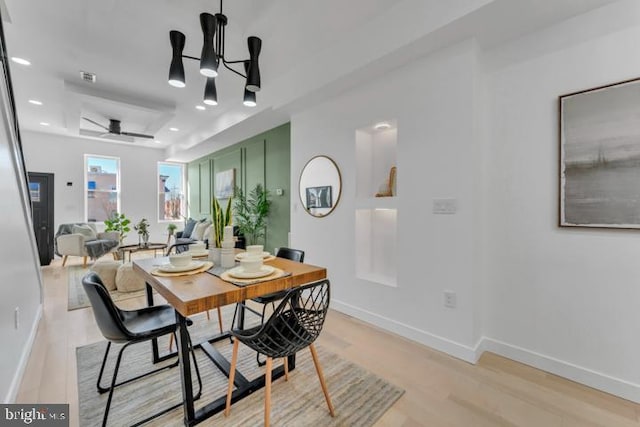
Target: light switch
279, 191
445, 206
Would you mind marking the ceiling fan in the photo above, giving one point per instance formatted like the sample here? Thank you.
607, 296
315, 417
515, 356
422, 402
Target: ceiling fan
114, 129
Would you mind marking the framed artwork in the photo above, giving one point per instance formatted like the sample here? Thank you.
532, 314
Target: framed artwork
319, 197
600, 157
225, 184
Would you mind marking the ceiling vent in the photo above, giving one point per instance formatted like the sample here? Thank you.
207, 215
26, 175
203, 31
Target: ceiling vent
88, 77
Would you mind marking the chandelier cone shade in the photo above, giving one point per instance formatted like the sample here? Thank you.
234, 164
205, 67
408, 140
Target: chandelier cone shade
210, 92
208, 57
176, 70
249, 99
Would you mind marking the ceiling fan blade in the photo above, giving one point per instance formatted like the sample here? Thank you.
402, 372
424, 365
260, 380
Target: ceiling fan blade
96, 123
137, 135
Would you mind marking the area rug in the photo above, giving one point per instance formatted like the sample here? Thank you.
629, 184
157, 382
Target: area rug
359, 397
77, 298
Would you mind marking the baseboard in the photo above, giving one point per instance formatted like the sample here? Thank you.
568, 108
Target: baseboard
616, 386
466, 353
24, 358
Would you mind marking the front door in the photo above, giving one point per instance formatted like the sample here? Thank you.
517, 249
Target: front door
41, 190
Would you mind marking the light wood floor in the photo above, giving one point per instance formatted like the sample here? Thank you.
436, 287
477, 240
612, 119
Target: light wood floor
439, 390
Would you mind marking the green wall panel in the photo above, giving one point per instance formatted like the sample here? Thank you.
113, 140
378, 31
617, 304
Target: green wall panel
253, 165
205, 187
264, 159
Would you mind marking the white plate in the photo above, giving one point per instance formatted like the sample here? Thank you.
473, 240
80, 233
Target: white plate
200, 253
168, 268
246, 254
239, 273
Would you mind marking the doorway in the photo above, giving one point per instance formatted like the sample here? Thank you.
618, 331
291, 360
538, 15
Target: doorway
41, 191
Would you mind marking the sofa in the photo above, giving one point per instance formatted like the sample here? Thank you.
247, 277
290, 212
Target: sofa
195, 231
82, 239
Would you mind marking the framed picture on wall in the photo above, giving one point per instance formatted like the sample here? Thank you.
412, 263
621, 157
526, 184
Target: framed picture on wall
319, 197
225, 184
600, 156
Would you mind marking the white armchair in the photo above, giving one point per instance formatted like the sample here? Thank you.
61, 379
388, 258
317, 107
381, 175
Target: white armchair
75, 243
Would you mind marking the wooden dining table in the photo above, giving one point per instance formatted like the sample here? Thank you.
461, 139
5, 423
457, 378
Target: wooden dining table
192, 294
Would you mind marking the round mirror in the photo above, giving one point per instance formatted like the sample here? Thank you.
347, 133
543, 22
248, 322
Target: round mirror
320, 186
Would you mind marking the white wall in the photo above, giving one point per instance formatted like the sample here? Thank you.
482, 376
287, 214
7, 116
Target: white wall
481, 127
64, 157
20, 281
433, 103
563, 299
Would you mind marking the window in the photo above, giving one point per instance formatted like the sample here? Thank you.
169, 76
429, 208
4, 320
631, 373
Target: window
171, 195
102, 186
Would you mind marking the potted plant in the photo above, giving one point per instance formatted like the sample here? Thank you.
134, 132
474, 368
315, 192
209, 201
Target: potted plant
171, 229
142, 228
118, 222
219, 219
251, 213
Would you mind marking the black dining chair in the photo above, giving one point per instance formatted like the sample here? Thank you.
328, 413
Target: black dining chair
129, 327
287, 253
293, 326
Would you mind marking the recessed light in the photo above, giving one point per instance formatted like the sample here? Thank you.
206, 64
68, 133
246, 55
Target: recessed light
35, 102
381, 126
174, 129
44, 124
200, 107
157, 141
20, 61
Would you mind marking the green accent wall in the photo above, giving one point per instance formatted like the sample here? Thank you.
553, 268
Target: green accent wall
262, 159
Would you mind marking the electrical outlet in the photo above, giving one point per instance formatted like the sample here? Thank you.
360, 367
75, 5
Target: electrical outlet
279, 191
16, 318
450, 299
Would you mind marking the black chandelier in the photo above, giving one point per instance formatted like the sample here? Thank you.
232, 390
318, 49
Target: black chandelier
213, 30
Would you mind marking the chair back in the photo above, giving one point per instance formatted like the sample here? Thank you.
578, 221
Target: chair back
292, 254
107, 315
296, 322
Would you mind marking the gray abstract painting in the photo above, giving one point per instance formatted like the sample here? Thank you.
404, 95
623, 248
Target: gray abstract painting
600, 157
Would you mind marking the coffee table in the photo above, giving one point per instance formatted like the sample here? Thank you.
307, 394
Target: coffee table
139, 248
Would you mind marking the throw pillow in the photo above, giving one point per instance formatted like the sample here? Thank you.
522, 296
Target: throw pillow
85, 230
188, 227
198, 230
207, 232
107, 271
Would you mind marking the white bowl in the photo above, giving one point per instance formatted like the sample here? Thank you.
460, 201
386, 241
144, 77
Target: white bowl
255, 249
198, 247
251, 264
180, 260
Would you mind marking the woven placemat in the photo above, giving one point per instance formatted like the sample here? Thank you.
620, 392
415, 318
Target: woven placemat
269, 258
207, 265
277, 273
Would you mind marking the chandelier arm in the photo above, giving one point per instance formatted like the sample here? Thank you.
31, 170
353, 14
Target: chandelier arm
191, 57
231, 69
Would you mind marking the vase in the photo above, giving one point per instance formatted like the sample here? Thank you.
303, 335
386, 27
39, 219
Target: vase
215, 256
145, 240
